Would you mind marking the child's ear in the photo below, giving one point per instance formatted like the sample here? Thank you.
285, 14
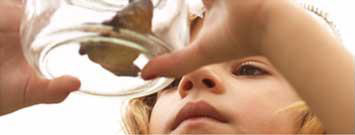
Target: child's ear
208, 3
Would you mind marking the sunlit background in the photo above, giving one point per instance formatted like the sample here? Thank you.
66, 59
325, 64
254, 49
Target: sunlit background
89, 115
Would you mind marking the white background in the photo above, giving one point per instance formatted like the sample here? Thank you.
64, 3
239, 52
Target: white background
88, 115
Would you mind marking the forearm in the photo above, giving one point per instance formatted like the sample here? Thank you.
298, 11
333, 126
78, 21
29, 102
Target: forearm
306, 52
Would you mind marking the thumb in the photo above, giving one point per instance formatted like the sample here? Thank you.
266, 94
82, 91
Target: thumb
50, 91
175, 64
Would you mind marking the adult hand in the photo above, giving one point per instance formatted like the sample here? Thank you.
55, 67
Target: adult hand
20, 86
230, 30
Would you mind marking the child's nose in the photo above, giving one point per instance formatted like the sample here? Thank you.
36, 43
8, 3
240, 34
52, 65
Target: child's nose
199, 80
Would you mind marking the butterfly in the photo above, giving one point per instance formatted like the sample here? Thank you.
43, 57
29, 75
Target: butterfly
118, 59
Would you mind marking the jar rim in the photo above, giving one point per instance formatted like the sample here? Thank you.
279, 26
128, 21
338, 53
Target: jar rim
153, 47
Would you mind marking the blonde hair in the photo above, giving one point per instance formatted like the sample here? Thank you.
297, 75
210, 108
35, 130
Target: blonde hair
137, 115
306, 121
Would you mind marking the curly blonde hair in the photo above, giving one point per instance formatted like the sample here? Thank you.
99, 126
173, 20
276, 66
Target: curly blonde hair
137, 115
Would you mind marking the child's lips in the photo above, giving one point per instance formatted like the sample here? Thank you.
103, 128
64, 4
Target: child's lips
197, 111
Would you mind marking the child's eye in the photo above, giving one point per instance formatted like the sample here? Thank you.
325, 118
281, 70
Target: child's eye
249, 69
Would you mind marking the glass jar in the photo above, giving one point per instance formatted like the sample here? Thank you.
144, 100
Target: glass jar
104, 43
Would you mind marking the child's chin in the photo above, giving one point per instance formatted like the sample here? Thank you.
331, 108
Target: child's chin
203, 126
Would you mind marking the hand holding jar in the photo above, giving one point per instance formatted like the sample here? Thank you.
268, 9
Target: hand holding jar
20, 85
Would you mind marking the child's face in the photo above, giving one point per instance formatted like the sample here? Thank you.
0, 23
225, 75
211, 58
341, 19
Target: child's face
246, 93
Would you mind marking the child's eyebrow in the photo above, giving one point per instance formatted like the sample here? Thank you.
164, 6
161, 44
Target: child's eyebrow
258, 58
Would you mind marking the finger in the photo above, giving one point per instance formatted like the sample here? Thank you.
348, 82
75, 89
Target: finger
11, 13
174, 64
50, 91
207, 48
